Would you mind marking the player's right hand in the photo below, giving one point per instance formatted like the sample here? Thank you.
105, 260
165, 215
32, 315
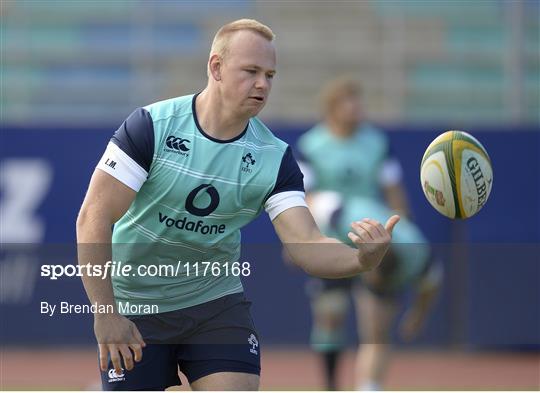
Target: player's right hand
118, 337
372, 240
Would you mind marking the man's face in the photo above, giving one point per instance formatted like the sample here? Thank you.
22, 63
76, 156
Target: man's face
246, 73
348, 111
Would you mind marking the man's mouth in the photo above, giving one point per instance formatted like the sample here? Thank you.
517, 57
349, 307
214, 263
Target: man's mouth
260, 99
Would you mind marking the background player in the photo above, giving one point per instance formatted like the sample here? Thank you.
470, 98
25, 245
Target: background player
172, 182
349, 160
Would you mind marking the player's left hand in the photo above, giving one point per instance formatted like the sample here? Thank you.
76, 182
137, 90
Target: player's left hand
372, 240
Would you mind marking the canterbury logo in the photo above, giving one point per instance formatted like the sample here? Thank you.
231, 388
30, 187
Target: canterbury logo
177, 143
115, 377
114, 374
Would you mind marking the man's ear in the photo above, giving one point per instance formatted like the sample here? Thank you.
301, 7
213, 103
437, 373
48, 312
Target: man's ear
214, 66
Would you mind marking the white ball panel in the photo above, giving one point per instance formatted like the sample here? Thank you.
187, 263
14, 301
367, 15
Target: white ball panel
437, 185
476, 180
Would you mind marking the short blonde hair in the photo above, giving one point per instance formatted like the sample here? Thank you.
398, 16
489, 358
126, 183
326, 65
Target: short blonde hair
336, 89
222, 38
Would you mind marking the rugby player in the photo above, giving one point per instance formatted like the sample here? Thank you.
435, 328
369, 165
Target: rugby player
349, 170
178, 180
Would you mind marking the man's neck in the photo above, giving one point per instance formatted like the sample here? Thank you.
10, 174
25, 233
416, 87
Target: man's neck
214, 119
340, 130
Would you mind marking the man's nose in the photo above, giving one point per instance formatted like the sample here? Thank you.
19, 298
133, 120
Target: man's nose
262, 82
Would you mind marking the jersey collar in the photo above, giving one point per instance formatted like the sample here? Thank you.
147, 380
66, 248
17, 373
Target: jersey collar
209, 136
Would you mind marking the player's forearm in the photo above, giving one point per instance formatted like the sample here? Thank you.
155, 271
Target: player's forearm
327, 258
94, 248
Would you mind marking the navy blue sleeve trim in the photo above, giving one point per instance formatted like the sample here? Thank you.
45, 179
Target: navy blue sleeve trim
136, 138
289, 178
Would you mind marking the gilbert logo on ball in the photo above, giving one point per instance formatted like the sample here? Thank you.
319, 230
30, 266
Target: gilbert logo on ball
456, 174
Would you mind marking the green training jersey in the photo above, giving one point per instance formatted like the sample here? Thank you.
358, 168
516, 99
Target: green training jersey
194, 193
351, 166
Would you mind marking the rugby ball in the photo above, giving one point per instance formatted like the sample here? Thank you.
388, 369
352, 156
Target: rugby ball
456, 174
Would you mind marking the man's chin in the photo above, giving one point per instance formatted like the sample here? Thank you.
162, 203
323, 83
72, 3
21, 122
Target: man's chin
253, 111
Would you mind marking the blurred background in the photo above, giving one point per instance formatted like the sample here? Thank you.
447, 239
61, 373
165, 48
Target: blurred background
72, 71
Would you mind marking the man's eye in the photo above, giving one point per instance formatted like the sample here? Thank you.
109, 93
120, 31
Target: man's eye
251, 71
270, 76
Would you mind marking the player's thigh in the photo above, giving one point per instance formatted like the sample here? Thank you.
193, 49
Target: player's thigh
330, 303
227, 381
225, 343
375, 314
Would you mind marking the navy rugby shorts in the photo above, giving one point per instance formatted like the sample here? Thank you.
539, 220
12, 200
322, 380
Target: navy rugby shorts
217, 336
